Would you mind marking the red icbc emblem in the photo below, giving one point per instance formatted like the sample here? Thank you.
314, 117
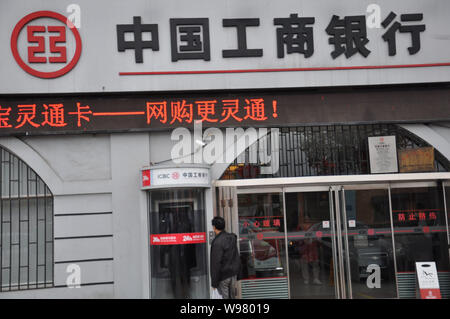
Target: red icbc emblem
175, 175
36, 50
146, 178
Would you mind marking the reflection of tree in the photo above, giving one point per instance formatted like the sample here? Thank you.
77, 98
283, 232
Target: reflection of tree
331, 150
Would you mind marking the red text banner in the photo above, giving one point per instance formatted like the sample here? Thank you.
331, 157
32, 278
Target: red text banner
178, 239
73, 114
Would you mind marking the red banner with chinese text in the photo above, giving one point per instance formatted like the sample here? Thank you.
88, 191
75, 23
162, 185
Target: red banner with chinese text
178, 239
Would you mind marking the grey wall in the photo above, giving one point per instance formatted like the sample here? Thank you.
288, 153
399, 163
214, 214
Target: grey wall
129, 153
100, 212
101, 220
77, 170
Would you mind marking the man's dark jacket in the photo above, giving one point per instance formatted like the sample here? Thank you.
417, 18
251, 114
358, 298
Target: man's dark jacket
225, 261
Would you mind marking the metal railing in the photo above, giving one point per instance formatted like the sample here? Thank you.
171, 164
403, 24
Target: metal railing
327, 150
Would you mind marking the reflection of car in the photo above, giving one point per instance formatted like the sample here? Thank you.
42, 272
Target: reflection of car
361, 258
364, 249
260, 256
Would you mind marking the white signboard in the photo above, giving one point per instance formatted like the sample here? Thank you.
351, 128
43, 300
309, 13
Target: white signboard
427, 277
59, 46
383, 154
175, 177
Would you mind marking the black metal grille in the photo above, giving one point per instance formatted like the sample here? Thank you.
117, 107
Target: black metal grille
327, 150
26, 227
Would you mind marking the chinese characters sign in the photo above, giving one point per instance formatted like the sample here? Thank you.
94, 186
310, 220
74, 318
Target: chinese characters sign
155, 177
417, 160
142, 47
383, 154
190, 37
178, 239
262, 223
418, 221
82, 115
416, 215
145, 112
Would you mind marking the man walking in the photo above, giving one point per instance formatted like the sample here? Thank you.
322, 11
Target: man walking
225, 261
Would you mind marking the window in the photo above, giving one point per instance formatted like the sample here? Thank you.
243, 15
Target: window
326, 150
26, 227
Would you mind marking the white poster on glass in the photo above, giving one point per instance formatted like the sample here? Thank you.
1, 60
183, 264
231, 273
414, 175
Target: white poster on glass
383, 154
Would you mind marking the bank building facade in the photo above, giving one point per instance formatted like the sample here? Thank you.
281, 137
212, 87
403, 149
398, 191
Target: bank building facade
321, 133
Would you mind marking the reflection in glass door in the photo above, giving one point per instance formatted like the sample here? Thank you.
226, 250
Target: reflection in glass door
352, 241
420, 229
367, 243
178, 261
310, 244
262, 245
354, 260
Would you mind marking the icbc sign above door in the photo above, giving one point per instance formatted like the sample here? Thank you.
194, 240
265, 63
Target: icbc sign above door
165, 177
40, 44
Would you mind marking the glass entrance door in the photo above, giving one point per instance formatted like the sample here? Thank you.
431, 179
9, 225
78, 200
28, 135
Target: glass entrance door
311, 242
178, 244
341, 241
365, 246
421, 234
262, 239
317, 242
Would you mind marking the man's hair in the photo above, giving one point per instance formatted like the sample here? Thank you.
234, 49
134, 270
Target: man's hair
219, 223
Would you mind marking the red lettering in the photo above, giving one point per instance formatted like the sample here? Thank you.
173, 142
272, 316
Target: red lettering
205, 109
4, 117
230, 108
40, 40
61, 50
81, 112
54, 115
181, 111
255, 110
26, 115
157, 110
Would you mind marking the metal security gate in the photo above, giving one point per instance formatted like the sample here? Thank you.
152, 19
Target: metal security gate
26, 227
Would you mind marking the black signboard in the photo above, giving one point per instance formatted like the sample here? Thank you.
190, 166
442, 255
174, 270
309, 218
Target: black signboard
58, 114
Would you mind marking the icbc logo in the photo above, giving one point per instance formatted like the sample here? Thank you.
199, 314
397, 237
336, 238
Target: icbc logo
46, 44
175, 175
